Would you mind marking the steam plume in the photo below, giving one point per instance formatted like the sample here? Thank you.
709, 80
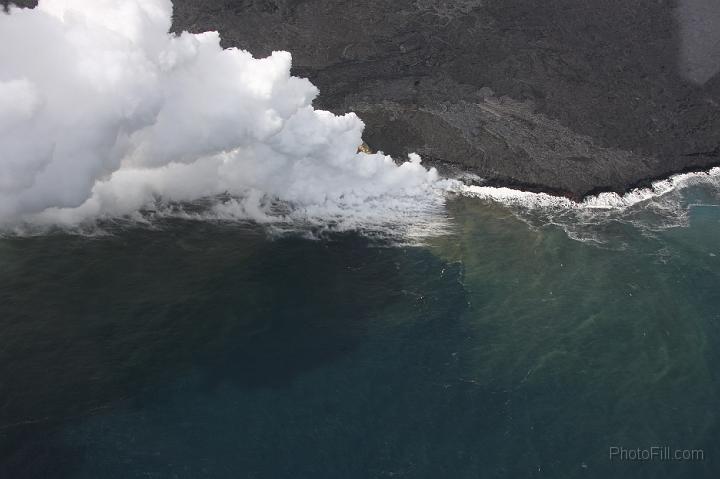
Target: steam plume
102, 111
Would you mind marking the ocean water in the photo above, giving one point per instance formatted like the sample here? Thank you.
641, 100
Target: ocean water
523, 342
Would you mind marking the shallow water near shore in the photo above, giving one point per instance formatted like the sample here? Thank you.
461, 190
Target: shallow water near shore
521, 343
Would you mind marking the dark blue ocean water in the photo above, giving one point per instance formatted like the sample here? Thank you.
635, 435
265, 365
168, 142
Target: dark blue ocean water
504, 349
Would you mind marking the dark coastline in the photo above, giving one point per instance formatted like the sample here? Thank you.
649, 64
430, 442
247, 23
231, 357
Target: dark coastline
568, 97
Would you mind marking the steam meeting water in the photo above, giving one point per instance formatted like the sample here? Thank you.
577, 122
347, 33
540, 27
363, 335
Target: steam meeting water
516, 345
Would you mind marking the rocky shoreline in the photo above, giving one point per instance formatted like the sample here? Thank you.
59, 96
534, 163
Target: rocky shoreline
569, 97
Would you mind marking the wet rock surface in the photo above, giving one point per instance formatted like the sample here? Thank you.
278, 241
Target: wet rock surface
565, 96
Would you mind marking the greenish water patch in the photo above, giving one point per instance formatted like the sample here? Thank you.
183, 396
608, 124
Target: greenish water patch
595, 346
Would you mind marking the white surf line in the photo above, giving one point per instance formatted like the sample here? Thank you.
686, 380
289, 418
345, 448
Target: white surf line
601, 201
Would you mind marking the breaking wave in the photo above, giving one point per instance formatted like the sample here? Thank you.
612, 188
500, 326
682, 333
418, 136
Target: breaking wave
663, 205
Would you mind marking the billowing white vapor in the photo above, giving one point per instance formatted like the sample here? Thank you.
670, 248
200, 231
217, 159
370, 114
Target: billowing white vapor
103, 111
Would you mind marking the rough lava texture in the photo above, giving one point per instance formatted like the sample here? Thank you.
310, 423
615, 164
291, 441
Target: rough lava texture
564, 96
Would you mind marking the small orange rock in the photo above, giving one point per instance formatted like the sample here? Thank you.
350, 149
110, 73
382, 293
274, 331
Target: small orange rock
364, 148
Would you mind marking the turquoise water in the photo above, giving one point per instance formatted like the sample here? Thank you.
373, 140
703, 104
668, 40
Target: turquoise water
520, 344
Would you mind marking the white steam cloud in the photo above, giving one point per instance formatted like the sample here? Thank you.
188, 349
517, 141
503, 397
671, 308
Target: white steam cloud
102, 112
